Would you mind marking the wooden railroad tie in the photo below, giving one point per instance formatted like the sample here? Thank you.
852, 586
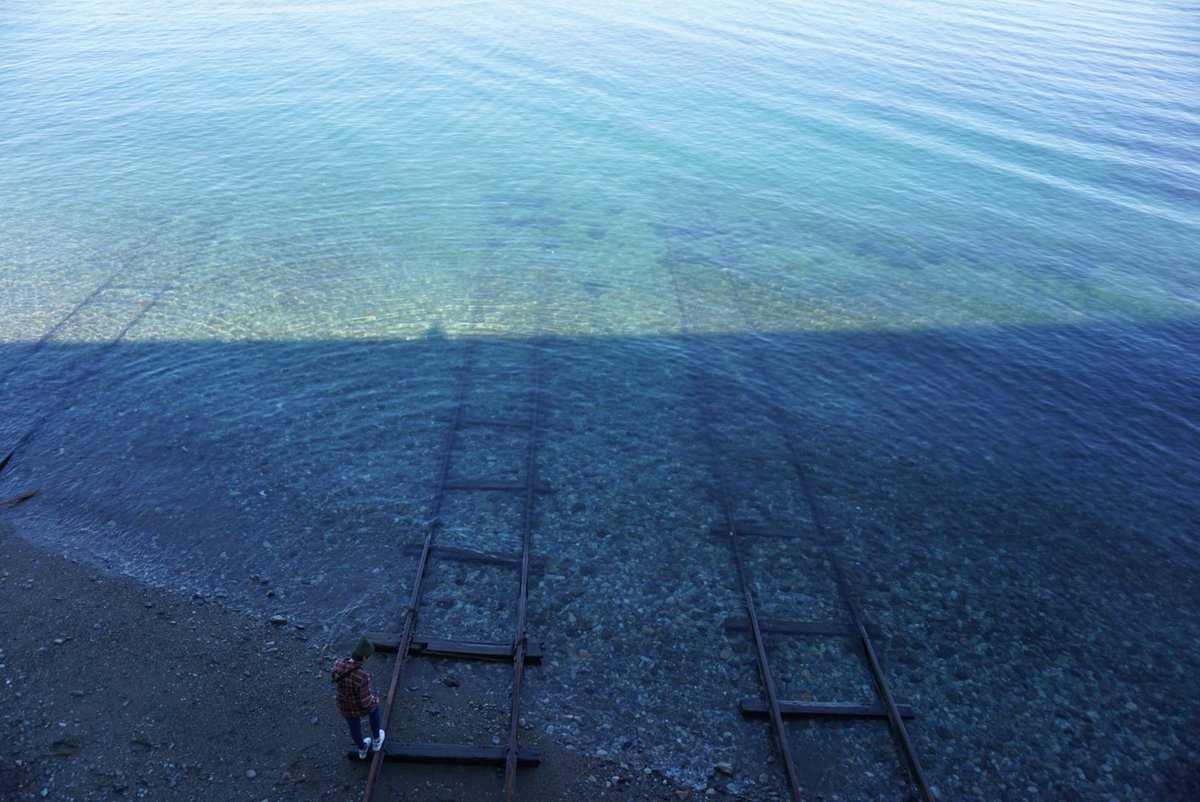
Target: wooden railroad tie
502, 423
755, 708
455, 753
465, 650
537, 561
776, 626
495, 484
746, 530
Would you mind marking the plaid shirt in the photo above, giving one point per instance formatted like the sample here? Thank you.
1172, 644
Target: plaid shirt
354, 698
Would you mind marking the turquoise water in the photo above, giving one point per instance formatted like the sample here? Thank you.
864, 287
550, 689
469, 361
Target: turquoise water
246, 247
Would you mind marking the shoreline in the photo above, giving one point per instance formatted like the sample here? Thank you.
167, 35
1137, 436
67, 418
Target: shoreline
117, 690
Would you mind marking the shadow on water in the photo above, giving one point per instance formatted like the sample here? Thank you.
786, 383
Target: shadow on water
1017, 509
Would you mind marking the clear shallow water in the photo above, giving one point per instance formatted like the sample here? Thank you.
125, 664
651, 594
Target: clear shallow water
245, 250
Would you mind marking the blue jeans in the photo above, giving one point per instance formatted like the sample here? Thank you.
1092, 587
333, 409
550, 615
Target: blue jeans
355, 725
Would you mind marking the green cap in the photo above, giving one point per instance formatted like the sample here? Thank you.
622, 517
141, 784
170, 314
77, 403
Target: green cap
363, 649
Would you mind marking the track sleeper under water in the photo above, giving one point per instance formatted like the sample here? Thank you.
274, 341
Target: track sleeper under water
538, 562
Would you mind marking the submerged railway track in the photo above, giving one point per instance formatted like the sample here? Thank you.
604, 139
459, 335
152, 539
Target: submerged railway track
410, 642
811, 533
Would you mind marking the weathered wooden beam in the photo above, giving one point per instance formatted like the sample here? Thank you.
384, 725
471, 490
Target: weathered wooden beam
467, 650
755, 708
817, 628
455, 753
470, 555
750, 455
778, 627
471, 650
494, 484
467, 420
768, 531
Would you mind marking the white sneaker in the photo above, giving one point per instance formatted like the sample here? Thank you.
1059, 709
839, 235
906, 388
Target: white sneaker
362, 753
377, 744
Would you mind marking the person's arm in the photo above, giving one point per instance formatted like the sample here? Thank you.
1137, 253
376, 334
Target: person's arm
366, 699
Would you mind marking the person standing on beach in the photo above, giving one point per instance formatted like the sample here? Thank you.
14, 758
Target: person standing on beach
355, 698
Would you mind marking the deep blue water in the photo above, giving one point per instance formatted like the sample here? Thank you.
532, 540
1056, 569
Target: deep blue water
246, 248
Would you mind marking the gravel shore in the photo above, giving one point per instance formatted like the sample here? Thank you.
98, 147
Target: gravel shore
113, 690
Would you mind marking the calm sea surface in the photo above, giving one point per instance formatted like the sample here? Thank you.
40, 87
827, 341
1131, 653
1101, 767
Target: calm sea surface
951, 247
